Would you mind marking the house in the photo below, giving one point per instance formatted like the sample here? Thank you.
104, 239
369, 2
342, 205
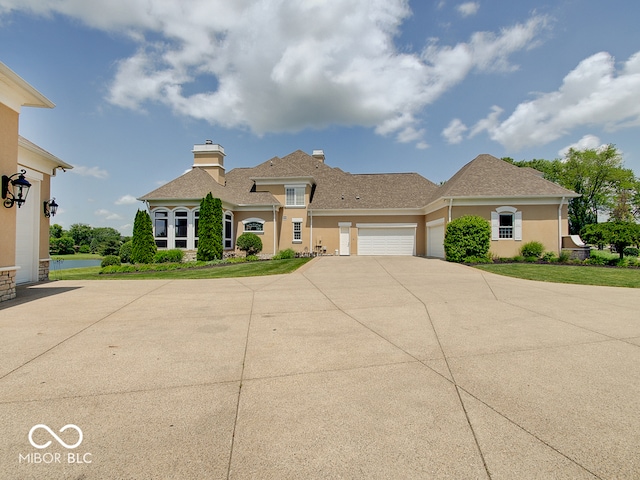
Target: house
301, 202
24, 238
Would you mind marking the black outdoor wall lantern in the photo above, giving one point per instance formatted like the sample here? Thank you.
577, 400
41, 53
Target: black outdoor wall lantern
50, 208
19, 189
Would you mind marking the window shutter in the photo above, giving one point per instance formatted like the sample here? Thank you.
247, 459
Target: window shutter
495, 226
517, 231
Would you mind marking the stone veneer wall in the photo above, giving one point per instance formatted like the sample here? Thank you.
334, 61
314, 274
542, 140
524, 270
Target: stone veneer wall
43, 271
7, 285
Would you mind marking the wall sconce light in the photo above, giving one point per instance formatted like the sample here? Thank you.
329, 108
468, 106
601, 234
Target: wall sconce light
19, 189
50, 208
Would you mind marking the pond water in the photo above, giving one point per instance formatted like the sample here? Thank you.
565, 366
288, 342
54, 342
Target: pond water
65, 264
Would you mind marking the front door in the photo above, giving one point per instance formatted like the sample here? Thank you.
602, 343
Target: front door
344, 241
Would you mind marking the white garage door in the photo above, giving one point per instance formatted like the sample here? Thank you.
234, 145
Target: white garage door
435, 240
386, 240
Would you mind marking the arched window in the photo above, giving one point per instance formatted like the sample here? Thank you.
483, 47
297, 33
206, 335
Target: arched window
228, 230
161, 227
253, 225
181, 228
196, 225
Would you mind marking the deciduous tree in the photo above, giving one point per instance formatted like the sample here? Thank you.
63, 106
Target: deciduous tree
618, 234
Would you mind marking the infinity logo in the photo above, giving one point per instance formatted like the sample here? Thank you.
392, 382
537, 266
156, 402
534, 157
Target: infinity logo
58, 439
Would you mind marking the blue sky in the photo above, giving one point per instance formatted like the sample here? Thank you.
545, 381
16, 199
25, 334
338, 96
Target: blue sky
379, 85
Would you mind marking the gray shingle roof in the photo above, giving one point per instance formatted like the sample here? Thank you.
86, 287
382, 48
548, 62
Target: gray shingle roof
197, 183
488, 176
485, 176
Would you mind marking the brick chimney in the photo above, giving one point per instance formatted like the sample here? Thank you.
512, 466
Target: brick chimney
210, 158
318, 155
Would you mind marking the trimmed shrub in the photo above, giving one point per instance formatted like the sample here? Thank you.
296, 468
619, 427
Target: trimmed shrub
249, 243
252, 258
168, 256
478, 260
631, 251
111, 260
532, 249
143, 246
125, 251
619, 262
550, 257
467, 237
236, 260
284, 254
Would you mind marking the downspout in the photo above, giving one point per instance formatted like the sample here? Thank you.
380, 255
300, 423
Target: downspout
450, 205
275, 247
311, 233
560, 226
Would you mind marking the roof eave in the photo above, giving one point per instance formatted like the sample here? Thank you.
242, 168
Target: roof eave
29, 96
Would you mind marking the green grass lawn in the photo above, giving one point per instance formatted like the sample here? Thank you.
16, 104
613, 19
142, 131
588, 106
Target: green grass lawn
77, 256
249, 269
583, 275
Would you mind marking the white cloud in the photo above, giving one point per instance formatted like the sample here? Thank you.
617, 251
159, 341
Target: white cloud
280, 66
468, 8
125, 229
107, 215
126, 200
454, 132
588, 142
95, 172
593, 94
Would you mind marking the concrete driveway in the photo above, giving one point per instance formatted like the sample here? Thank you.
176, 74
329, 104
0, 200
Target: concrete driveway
357, 367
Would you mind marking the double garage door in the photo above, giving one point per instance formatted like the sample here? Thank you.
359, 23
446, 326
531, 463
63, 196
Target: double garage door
390, 239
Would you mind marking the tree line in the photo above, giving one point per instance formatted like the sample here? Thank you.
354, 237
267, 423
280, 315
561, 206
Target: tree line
83, 238
608, 190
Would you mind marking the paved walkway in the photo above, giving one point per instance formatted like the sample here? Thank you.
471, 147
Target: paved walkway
356, 367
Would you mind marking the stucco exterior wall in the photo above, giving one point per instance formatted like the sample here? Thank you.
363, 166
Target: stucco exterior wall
326, 232
266, 236
539, 223
8, 166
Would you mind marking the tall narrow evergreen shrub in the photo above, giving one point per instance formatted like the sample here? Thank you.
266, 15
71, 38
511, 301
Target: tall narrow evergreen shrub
143, 246
210, 229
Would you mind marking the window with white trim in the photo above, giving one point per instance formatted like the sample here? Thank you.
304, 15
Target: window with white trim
160, 227
506, 224
181, 226
196, 226
297, 230
228, 230
253, 225
294, 196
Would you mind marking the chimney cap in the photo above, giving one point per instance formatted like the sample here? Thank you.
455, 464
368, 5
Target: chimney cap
208, 147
